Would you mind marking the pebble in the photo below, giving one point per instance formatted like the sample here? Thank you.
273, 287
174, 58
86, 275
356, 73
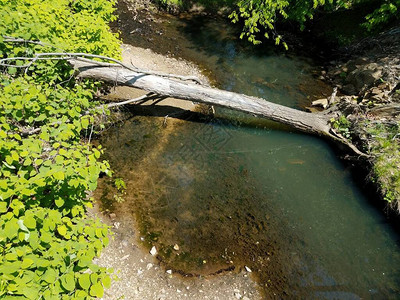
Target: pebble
125, 257
176, 247
247, 269
169, 271
149, 266
153, 251
113, 215
237, 295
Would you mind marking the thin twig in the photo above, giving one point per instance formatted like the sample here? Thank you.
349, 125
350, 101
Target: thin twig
10, 39
144, 97
90, 135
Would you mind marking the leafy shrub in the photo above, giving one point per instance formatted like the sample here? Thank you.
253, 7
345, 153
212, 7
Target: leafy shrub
47, 242
260, 16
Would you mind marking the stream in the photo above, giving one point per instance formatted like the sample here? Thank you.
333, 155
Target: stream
233, 192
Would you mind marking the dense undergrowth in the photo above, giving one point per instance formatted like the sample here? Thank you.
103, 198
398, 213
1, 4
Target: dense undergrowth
384, 145
48, 168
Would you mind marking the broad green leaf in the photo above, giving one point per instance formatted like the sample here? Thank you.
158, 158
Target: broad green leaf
59, 175
96, 290
84, 281
11, 256
107, 282
26, 263
30, 222
50, 276
62, 230
59, 202
11, 229
85, 122
3, 207
68, 282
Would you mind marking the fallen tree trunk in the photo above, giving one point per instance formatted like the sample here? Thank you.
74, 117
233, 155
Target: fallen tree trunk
315, 123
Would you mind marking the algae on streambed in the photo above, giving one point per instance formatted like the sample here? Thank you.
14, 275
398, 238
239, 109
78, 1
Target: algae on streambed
185, 189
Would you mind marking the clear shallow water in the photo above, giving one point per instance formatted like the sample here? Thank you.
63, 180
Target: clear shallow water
278, 202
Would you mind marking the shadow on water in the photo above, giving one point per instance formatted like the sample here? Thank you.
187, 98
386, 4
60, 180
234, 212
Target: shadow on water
214, 195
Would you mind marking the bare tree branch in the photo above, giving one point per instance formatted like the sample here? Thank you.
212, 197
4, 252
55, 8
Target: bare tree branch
10, 39
83, 57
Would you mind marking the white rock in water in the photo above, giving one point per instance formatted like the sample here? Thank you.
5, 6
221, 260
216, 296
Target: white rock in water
247, 269
153, 251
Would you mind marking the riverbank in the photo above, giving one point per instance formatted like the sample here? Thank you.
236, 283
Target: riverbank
367, 75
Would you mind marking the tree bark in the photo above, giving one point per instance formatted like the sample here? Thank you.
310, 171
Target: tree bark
170, 85
314, 123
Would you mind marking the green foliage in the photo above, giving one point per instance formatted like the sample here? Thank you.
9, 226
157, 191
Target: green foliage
259, 17
68, 25
342, 126
47, 243
45, 239
385, 147
389, 10
120, 185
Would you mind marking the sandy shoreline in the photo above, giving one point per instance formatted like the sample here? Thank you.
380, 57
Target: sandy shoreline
146, 59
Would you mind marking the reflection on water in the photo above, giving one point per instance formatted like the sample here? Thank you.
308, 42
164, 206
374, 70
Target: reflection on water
215, 197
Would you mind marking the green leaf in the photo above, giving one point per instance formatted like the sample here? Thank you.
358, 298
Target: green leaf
9, 160
12, 70
11, 256
62, 230
96, 290
30, 292
59, 175
3, 207
50, 276
107, 282
26, 263
84, 281
85, 122
22, 226
59, 202
11, 229
30, 222
68, 282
